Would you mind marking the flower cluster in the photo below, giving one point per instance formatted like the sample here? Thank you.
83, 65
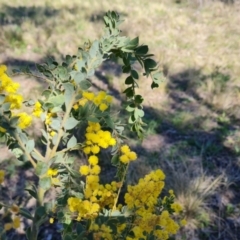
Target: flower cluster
14, 224
96, 138
127, 155
52, 173
84, 208
37, 110
101, 100
102, 232
15, 221
143, 199
9, 89
24, 120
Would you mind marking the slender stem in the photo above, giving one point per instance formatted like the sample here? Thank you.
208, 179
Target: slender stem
41, 193
25, 150
48, 146
119, 190
60, 131
32, 75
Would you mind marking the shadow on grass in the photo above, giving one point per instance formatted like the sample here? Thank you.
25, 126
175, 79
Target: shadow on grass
172, 138
17, 15
178, 138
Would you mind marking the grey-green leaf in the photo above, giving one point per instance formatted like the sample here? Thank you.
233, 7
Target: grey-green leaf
25, 213
41, 168
70, 123
30, 145
72, 142
45, 183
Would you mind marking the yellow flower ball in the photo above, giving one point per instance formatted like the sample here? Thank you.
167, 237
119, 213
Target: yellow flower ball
84, 170
95, 149
124, 159
95, 169
125, 149
93, 160
132, 156
103, 107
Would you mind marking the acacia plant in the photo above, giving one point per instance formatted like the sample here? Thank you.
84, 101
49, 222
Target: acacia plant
86, 207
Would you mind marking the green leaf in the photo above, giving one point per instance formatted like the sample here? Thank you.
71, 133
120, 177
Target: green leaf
17, 152
25, 213
49, 205
138, 113
72, 142
30, 145
56, 109
126, 69
2, 98
54, 139
44, 134
109, 122
45, 183
79, 228
115, 160
41, 168
131, 119
68, 94
149, 64
32, 191
79, 76
138, 99
40, 211
70, 123
93, 119
130, 107
60, 215
85, 84
129, 92
157, 77
29, 233
127, 50
134, 74
46, 93
62, 73
55, 124
68, 237
133, 43
36, 156
141, 50
154, 85
57, 101
129, 80
68, 59
70, 160
6, 107
23, 137
94, 49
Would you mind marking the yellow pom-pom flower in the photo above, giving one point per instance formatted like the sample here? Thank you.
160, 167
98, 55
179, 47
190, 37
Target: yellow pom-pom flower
125, 149
93, 160
84, 170
24, 120
95, 169
52, 172
103, 107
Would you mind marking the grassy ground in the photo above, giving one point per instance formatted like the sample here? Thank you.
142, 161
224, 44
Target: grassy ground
193, 118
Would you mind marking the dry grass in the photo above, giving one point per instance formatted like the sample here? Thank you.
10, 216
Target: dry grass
197, 45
